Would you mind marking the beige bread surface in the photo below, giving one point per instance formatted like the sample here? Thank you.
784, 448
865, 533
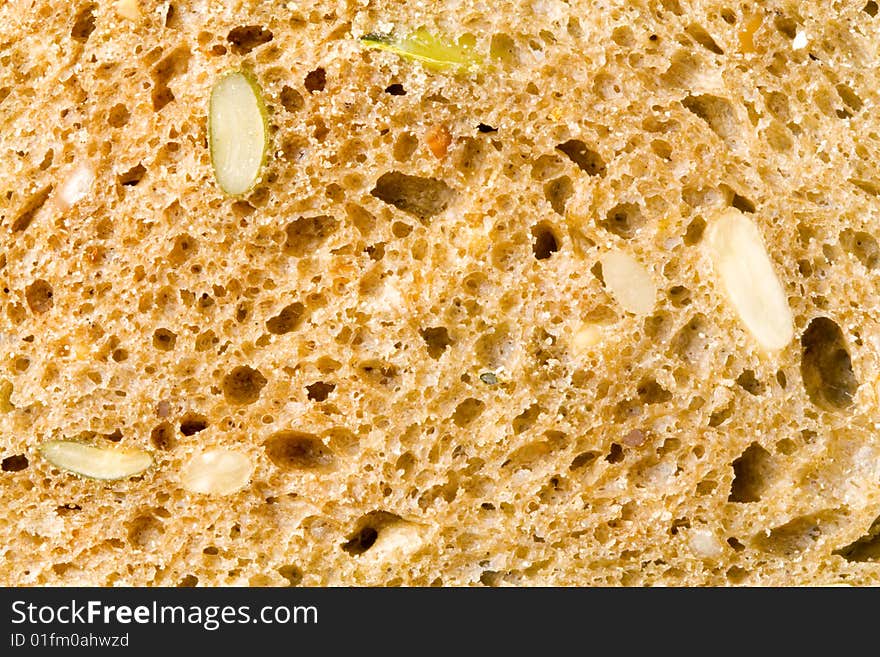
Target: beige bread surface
601, 309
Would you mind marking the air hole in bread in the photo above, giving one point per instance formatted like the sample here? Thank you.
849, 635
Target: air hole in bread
404, 146
786, 446
557, 192
118, 116
870, 8
242, 209
6, 389
470, 155
529, 456
678, 524
193, 423
545, 243
849, 97
870, 187
145, 531
361, 541
720, 416
694, 232
321, 131
863, 246
692, 341
319, 391
699, 34
615, 454
737, 574
190, 581
495, 348
582, 460
292, 574
114, 436
206, 340
584, 157
735, 544
624, 220
679, 295
247, 37
503, 48
84, 23
751, 473
67, 509
468, 411
297, 450
706, 487
623, 36
164, 340
132, 177
291, 99
162, 437
651, 392
475, 283
172, 17
826, 366
526, 420
176, 63
306, 234
786, 25
15, 463
750, 383
446, 492
367, 531
287, 320
315, 80
395, 89
243, 385
742, 204
866, 548
39, 296
673, 6
30, 208
546, 166
662, 149
437, 339
718, 113
377, 372
798, 535
421, 197
184, 247
778, 137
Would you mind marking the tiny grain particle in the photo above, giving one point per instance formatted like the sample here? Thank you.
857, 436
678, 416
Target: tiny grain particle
634, 438
163, 408
438, 140
489, 378
76, 186
704, 544
129, 9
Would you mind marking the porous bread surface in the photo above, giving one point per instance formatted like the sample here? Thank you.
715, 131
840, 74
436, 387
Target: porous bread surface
416, 348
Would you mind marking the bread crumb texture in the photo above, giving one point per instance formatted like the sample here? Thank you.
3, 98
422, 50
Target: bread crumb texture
401, 356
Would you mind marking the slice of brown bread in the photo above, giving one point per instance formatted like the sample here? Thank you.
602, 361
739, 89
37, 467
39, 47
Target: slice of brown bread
598, 307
